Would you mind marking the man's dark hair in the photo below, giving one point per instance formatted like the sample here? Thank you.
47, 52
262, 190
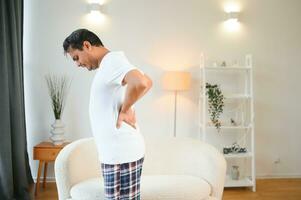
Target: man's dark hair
76, 39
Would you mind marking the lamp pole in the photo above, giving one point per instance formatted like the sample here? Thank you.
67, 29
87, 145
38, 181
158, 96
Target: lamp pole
176, 81
175, 116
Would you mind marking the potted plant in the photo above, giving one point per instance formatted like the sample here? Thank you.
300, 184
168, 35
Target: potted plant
57, 89
215, 103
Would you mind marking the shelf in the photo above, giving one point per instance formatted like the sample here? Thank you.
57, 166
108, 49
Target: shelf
238, 155
236, 83
227, 68
229, 127
234, 96
245, 182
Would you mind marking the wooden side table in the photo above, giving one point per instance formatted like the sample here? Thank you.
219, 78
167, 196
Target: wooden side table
45, 152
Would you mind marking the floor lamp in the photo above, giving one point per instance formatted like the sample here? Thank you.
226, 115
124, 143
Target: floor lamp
176, 81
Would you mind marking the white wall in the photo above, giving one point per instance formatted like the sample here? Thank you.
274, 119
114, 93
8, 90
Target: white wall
169, 35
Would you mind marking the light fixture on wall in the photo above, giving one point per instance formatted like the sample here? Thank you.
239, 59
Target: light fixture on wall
176, 81
232, 17
94, 8
95, 12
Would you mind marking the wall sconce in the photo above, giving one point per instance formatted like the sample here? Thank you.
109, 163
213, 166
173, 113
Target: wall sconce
232, 15
95, 14
94, 8
232, 23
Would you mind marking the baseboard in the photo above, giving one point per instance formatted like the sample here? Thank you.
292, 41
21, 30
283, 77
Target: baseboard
48, 179
269, 176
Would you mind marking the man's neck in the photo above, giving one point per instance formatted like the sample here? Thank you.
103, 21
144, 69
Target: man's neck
101, 54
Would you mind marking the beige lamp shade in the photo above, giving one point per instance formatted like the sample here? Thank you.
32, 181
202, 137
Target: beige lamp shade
176, 80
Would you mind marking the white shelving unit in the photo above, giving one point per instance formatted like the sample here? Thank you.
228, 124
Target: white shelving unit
236, 83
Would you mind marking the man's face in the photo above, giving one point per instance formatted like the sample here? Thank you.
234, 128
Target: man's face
84, 58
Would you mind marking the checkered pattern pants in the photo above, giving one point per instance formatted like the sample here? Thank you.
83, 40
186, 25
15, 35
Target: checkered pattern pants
122, 181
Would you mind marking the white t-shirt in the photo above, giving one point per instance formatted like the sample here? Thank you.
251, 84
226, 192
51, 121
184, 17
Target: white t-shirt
115, 146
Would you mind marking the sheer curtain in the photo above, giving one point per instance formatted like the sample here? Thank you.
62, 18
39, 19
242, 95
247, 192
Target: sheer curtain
15, 175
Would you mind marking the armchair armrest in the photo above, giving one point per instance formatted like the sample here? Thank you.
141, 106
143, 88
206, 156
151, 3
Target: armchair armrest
213, 169
76, 162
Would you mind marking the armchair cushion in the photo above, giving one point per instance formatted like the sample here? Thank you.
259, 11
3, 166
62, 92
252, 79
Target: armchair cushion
174, 187
154, 187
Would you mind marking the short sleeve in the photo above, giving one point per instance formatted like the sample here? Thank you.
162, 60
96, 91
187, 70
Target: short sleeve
118, 68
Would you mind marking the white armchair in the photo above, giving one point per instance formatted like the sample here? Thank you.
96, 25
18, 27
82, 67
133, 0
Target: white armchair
173, 169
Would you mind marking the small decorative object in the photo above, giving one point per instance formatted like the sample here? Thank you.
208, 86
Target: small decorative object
214, 64
226, 150
235, 63
233, 123
224, 64
202, 60
57, 132
57, 88
234, 148
216, 104
235, 172
240, 117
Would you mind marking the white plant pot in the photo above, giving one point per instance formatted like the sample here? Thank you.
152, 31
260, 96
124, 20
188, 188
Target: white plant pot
57, 132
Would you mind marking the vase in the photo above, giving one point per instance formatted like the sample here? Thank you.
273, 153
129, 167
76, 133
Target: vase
57, 132
235, 173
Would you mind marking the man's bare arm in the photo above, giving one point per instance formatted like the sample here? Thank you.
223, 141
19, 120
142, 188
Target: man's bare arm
138, 85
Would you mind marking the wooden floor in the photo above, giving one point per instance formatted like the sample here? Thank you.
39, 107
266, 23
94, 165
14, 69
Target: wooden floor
267, 189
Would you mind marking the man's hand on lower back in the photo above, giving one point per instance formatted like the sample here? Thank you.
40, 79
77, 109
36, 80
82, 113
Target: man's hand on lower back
128, 117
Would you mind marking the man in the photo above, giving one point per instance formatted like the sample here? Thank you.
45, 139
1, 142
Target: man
117, 85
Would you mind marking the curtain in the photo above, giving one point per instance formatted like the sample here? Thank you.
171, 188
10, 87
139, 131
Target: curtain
15, 174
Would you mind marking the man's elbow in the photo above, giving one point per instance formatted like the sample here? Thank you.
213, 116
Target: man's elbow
146, 84
149, 83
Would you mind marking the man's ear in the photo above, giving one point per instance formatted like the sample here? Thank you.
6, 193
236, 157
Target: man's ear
87, 44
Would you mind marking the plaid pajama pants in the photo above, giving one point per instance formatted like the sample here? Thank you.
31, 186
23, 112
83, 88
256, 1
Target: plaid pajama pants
122, 181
